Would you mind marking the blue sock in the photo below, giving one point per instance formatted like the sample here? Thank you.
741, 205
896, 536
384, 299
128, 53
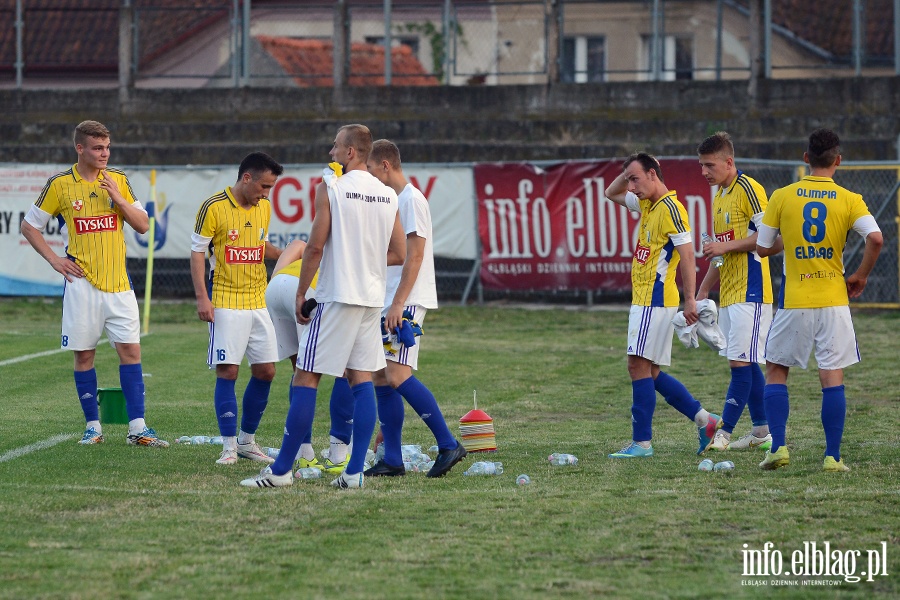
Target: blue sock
736, 397
226, 407
256, 397
363, 425
307, 438
643, 403
677, 395
755, 403
834, 411
390, 415
341, 408
131, 378
299, 421
777, 411
423, 402
86, 387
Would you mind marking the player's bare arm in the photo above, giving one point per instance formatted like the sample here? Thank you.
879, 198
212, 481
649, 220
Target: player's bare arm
397, 246
618, 189
856, 283
708, 283
62, 265
134, 216
205, 309
292, 252
312, 254
687, 266
415, 254
272, 251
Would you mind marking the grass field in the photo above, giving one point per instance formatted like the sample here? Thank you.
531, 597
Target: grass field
116, 521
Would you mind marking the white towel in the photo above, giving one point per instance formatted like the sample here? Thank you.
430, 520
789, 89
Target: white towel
706, 329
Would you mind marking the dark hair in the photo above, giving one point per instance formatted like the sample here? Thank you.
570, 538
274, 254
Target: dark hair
823, 149
360, 138
719, 142
386, 150
647, 162
87, 129
257, 163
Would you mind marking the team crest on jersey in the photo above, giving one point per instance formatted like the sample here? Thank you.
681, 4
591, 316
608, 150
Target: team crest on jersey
262, 233
728, 218
78, 205
232, 234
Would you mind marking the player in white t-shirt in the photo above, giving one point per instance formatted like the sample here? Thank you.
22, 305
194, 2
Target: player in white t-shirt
411, 289
355, 235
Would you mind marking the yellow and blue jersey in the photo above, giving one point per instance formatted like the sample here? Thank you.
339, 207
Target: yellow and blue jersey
814, 216
743, 276
236, 250
655, 261
94, 223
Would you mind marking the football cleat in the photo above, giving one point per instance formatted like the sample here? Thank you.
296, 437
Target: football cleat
267, 479
720, 442
751, 442
776, 460
834, 466
345, 481
446, 459
91, 436
147, 437
335, 468
309, 464
252, 451
228, 457
633, 450
707, 433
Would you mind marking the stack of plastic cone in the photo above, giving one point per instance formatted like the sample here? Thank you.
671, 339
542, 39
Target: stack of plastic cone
477, 431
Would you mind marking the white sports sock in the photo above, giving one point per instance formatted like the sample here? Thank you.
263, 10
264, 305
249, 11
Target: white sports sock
724, 433
245, 438
306, 452
643, 445
135, 426
702, 417
229, 443
338, 450
95, 425
760, 431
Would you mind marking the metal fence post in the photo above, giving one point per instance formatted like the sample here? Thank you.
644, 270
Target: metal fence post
20, 54
387, 42
245, 44
125, 49
554, 39
857, 38
339, 50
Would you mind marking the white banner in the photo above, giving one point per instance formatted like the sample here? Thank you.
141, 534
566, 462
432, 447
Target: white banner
181, 190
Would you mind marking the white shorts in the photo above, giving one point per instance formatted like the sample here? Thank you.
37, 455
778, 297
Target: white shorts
88, 312
342, 336
796, 331
650, 332
281, 302
746, 326
408, 356
236, 333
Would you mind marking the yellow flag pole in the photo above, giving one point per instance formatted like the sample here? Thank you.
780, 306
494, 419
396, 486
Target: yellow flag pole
151, 243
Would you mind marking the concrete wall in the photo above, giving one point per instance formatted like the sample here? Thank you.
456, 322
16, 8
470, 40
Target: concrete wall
454, 124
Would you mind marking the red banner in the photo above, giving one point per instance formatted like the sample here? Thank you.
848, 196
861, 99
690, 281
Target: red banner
553, 228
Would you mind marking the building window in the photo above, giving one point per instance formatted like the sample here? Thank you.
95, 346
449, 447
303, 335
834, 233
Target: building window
396, 40
678, 57
583, 59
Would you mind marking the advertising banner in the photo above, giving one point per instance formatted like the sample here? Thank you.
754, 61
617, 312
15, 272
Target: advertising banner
552, 228
180, 192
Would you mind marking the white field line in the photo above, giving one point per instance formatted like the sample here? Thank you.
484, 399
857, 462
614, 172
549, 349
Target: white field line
51, 441
18, 359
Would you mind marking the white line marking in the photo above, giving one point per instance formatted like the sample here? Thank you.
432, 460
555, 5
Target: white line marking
18, 359
51, 441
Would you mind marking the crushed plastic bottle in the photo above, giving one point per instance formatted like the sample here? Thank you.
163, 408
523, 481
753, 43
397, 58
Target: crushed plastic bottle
726, 467
483, 467
560, 458
308, 473
705, 465
271, 452
200, 439
216, 440
185, 439
717, 261
523, 479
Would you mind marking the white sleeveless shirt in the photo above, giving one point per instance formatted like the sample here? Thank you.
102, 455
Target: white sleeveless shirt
415, 216
354, 259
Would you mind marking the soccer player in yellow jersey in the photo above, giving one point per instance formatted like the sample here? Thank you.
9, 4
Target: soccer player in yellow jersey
814, 217
95, 202
745, 288
233, 226
664, 241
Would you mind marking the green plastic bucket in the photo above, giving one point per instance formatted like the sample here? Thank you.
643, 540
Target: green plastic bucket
112, 405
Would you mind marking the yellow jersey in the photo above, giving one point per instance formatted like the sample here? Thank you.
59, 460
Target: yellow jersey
743, 276
814, 216
237, 250
94, 223
293, 270
655, 261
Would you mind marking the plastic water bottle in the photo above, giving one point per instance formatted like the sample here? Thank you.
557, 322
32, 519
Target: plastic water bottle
716, 260
559, 458
483, 467
523, 480
200, 439
726, 467
308, 473
216, 440
272, 452
705, 465
185, 439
